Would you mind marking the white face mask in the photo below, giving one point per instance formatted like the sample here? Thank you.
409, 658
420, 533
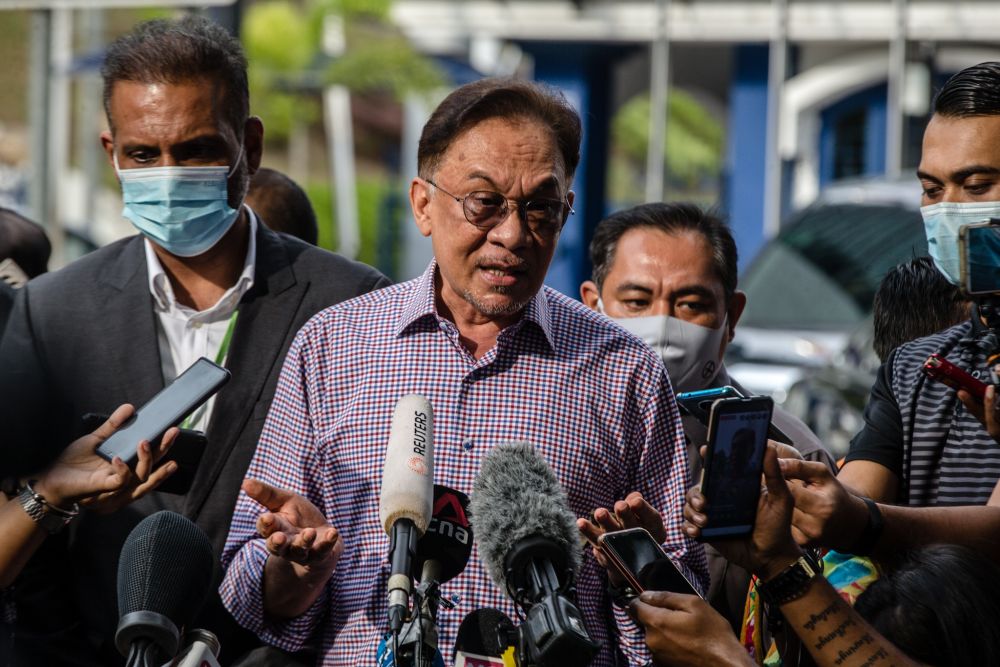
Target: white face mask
942, 223
690, 352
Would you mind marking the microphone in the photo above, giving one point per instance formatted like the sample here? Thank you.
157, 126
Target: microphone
405, 501
444, 550
164, 576
528, 540
486, 638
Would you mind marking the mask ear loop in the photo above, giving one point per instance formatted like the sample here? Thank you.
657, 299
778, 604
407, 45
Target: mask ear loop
236, 163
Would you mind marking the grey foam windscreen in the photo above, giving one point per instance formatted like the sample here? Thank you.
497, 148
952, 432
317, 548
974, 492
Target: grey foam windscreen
515, 496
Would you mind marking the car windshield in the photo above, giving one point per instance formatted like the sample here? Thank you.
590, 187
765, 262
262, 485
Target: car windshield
822, 270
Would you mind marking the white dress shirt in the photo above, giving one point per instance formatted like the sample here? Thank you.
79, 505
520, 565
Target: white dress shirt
184, 334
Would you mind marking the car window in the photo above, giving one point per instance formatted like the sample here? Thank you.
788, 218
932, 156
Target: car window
822, 270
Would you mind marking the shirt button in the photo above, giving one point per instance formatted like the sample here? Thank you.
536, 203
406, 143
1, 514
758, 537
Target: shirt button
196, 325
467, 444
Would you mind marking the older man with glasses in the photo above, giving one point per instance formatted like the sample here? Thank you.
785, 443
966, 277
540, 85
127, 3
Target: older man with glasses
500, 358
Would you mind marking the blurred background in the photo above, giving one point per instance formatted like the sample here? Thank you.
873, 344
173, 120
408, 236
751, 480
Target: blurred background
800, 119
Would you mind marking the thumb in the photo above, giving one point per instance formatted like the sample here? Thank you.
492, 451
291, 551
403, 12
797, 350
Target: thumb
775, 483
269, 496
809, 472
663, 599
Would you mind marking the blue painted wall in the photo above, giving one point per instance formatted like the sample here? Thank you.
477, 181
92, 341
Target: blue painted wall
871, 104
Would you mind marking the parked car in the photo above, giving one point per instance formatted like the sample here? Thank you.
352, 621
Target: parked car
805, 337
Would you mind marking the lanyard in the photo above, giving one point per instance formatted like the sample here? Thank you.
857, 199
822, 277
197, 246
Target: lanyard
220, 359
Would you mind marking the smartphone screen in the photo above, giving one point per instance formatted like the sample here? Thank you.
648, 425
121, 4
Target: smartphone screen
643, 563
168, 408
737, 439
982, 254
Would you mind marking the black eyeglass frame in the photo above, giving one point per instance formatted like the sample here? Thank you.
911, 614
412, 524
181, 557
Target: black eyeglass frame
522, 209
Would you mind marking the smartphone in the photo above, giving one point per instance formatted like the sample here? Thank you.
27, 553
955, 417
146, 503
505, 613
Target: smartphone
643, 563
734, 460
699, 404
168, 408
979, 257
938, 368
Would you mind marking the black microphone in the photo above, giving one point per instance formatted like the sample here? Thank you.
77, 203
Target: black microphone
164, 576
530, 544
485, 636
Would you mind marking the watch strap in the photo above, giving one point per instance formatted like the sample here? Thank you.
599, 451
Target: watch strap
792, 582
51, 518
865, 544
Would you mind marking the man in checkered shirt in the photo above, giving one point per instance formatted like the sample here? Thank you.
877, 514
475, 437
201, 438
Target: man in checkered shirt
499, 356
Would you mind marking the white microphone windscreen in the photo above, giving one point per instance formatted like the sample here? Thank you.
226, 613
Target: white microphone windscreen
408, 474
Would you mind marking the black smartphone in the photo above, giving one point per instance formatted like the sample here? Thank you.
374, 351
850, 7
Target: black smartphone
731, 478
168, 408
187, 450
643, 563
979, 257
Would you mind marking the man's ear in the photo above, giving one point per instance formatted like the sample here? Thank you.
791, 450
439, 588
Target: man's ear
735, 311
108, 144
253, 143
589, 294
420, 200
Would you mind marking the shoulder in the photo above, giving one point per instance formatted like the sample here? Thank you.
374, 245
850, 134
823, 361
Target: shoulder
116, 262
371, 315
909, 357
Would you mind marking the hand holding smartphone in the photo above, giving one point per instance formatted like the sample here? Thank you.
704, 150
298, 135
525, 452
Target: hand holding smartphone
734, 460
642, 562
938, 368
168, 408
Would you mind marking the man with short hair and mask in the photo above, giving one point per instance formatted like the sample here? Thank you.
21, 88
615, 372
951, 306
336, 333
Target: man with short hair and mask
667, 273
924, 443
204, 278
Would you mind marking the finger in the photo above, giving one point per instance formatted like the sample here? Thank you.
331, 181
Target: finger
115, 421
974, 405
326, 541
810, 472
277, 544
589, 530
694, 516
145, 463
695, 499
166, 442
647, 515
775, 483
785, 451
606, 520
155, 479
990, 409
702, 451
625, 516
646, 614
665, 599
269, 496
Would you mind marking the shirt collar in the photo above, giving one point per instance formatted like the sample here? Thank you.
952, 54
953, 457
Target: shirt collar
163, 293
421, 304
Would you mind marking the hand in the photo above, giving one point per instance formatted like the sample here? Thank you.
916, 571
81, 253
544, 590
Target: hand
987, 416
633, 512
294, 529
825, 513
685, 630
81, 475
770, 548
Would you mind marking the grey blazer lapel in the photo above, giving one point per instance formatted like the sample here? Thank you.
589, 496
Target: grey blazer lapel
126, 323
266, 315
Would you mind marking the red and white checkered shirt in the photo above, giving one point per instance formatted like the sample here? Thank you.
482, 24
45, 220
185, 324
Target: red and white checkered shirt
593, 399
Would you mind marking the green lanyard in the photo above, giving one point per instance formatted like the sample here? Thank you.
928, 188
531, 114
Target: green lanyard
220, 359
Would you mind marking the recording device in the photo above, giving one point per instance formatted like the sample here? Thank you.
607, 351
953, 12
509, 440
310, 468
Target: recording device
734, 461
406, 498
979, 257
530, 545
938, 368
485, 638
699, 405
642, 562
442, 554
187, 450
164, 576
168, 408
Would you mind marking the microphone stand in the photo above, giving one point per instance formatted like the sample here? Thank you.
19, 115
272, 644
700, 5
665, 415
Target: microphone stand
421, 631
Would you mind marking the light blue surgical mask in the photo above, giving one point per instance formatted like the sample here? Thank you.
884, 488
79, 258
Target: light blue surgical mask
184, 210
941, 224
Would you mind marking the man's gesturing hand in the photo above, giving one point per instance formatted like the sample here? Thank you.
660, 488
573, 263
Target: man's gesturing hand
633, 512
294, 528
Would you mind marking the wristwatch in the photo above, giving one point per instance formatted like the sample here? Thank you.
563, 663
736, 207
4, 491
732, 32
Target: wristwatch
51, 518
791, 583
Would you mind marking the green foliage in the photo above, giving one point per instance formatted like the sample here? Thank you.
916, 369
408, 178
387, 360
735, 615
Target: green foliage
695, 140
389, 64
371, 191
277, 37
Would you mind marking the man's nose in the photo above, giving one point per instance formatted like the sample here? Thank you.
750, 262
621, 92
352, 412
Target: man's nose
512, 231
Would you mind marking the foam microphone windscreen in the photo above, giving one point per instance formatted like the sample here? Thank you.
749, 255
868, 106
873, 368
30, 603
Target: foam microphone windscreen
166, 568
515, 496
408, 473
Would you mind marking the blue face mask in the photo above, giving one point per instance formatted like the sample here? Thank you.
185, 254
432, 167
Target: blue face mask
941, 224
184, 210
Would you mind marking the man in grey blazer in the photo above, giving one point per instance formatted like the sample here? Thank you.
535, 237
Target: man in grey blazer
204, 278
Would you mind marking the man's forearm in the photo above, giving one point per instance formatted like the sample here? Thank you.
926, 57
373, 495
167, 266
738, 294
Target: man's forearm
290, 589
905, 528
835, 634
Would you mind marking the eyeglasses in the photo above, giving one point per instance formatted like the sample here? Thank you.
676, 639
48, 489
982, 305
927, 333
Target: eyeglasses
486, 209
